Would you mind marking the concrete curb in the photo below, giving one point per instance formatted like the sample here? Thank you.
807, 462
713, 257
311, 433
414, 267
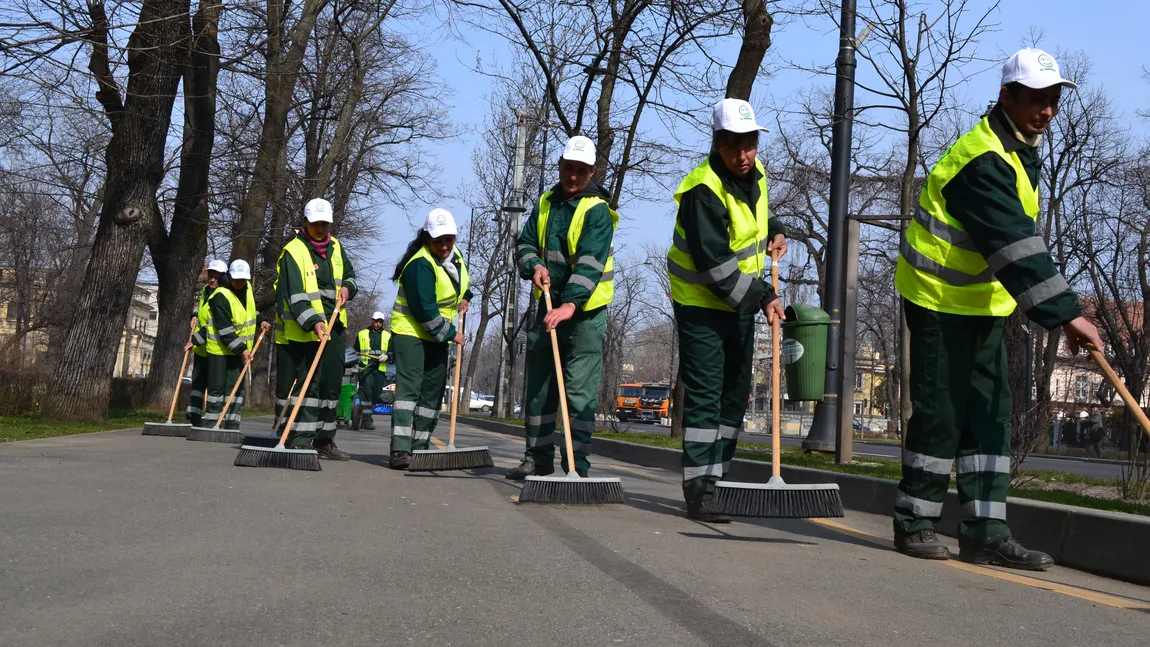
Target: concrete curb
1106, 543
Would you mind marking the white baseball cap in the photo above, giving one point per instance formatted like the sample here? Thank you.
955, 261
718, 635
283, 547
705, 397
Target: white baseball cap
580, 149
734, 115
216, 265
440, 222
240, 270
1033, 68
377, 316
317, 210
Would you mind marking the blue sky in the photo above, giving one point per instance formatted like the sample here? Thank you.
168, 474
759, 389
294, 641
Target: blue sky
1109, 32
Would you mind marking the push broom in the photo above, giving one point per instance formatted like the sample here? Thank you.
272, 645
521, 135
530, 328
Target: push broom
215, 434
776, 499
269, 439
1131, 404
170, 428
280, 456
451, 458
571, 488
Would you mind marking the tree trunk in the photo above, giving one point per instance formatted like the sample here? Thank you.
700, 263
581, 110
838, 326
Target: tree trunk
178, 256
282, 73
756, 42
134, 159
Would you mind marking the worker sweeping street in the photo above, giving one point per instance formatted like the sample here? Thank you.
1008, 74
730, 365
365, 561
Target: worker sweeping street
566, 248
373, 346
314, 271
231, 321
213, 269
716, 266
433, 288
971, 254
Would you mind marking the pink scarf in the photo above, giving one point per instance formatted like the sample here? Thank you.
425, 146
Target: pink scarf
320, 246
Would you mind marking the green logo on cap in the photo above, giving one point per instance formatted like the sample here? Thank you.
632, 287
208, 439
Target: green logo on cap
441, 220
1046, 63
579, 145
745, 112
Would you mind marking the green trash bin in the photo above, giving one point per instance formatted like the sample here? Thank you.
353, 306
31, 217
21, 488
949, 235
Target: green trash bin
803, 351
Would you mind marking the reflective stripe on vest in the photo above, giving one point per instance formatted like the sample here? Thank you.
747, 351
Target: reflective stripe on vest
448, 300
242, 324
748, 242
373, 353
287, 327
604, 291
939, 267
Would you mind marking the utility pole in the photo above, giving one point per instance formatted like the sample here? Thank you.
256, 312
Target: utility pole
827, 418
504, 401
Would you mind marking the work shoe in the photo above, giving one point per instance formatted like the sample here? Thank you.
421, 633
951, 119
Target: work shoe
399, 460
1009, 553
923, 544
332, 453
527, 468
368, 426
698, 512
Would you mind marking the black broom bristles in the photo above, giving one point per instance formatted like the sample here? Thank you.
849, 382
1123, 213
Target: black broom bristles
442, 460
571, 490
278, 457
212, 435
166, 429
777, 500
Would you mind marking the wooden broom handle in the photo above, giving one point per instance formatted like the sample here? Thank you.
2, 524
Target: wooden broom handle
776, 404
243, 372
287, 404
562, 387
455, 396
179, 381
299, 398
1131, 403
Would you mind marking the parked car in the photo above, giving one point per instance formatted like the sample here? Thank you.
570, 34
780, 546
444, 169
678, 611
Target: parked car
857, 425
481, 402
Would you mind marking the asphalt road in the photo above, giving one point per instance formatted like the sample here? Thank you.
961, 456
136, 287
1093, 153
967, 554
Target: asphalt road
121, 539
1083, 467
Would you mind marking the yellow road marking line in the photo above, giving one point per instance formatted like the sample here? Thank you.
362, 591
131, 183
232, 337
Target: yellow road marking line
438, 443
1032, 582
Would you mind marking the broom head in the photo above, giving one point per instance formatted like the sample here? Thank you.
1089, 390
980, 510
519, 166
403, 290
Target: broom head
571, 489
452, 458
777, 500
261, 439
166, 429
213, 435
278, 457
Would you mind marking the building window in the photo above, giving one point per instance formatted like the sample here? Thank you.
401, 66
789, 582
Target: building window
858, 381
1081, 388
153, 315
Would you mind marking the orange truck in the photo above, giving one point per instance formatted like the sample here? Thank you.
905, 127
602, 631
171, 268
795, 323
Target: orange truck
644, 401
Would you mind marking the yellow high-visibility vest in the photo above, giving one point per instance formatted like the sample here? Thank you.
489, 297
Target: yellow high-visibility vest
938, 265
748, 235
605, 290
243, 323
378, 354
287, 328
446, 297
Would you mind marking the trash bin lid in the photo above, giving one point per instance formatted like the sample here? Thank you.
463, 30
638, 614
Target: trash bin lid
801, 314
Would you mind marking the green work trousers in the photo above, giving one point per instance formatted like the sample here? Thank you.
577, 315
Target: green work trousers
961, 417
223, 372
581, 353
371, 381
420, 379
716, 349
315, 424
195, 412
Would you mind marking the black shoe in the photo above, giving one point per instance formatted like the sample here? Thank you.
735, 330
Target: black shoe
399, 460
332, 453
367, 426
527, 468
1009, 553
699, 513
923, 544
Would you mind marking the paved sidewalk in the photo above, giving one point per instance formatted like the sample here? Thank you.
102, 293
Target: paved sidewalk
121, 539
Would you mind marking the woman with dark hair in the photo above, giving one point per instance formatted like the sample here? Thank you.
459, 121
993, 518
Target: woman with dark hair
716, 268
433, 287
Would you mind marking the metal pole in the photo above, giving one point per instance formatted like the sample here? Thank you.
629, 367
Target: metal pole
844, 447
511, 307
826, 419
